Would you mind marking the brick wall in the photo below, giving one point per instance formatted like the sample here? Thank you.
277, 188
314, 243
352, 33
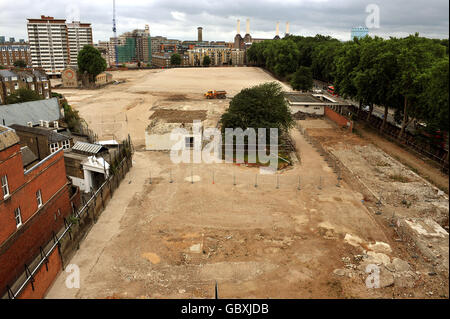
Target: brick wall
38, 144
43, 278
20, 246
338, 118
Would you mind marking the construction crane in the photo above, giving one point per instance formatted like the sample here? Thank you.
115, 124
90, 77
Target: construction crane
115, 34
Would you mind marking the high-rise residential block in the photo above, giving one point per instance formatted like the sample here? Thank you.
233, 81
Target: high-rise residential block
54, 44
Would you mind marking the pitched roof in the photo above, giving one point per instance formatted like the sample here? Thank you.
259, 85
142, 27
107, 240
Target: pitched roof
28, 156
22, 113
8, 137
7, 74
52, 136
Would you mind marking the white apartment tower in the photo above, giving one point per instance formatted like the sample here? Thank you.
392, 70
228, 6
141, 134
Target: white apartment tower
79, 34
54, 44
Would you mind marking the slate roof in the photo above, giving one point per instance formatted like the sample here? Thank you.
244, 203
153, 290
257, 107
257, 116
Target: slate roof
7, 74
28, 156
52, 136
22, 113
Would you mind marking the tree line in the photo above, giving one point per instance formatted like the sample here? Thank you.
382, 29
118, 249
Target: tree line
409, 75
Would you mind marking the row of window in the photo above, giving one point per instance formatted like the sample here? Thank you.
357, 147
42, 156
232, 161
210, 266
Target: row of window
54, 147
17, 213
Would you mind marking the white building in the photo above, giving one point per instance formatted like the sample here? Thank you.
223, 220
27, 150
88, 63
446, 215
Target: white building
54, 44
164, 122
79, 35
309, 103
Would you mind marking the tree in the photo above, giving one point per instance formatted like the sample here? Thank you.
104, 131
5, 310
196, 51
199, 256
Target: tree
90, 61
302, 80
347, 60
436, 96
20, 64
206, 60
23, 95
262, 106
322, 60
175, 59
416, 56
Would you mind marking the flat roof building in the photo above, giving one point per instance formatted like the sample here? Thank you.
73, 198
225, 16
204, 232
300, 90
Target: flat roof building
55, 44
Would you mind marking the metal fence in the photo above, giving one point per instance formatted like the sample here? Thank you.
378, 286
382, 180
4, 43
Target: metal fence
435, 153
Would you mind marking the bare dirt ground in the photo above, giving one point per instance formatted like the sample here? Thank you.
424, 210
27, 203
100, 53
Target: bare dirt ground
115, 111
420, 164
172, 231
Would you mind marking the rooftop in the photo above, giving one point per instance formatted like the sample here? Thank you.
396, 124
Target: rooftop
163, 121
22, 113
8, 137
53, 137
179, 116
28, 156
309, 99
87, 148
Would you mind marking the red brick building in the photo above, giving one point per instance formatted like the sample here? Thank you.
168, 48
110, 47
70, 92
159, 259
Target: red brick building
12, 52
33, 204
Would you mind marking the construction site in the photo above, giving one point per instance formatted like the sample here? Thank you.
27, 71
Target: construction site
308, 231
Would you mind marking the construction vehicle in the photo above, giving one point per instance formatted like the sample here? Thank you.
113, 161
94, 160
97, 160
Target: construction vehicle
216, 95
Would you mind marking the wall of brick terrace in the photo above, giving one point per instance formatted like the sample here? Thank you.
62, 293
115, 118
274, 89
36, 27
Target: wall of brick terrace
23, 244
68, 244
339, 119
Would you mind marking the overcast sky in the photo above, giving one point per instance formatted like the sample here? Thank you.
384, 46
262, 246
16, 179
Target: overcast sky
179, 19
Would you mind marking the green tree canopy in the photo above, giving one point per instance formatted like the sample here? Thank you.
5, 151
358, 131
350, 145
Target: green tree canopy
20, 64
435, 96
206, 60
91, 61
262, 106
175, 59
302, 80
23, 95
392, 73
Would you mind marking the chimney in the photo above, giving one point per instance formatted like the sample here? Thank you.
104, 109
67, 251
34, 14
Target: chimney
278, 28
248, 27
287, 28
200, 34
238, 26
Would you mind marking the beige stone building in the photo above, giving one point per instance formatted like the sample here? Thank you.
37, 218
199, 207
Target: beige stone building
219, 55
71, 78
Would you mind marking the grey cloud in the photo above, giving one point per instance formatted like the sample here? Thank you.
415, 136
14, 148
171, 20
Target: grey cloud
218, 18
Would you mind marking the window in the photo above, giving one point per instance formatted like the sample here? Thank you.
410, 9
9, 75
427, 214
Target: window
189, 142
65, 145
18, 217
16, 86
5, 186
39, 198
54, 147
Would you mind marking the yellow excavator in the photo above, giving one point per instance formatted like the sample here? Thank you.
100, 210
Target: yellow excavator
216, 95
